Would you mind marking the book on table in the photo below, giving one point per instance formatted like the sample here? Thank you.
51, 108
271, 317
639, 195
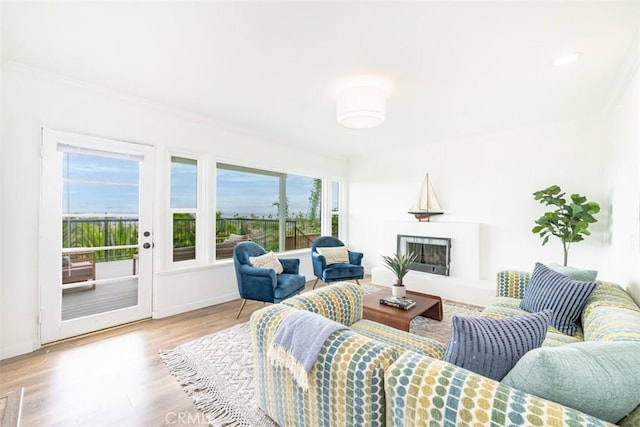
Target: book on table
398, 302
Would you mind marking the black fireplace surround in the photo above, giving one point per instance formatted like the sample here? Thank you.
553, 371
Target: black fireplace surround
434, 253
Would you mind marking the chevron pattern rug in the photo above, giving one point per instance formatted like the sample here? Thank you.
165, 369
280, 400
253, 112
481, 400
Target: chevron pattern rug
217, 370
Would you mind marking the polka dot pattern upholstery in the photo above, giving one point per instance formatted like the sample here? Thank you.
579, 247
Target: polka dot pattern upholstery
333, 398
422, 391
341, 302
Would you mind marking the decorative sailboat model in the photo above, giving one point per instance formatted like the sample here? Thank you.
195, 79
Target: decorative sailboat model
426, 204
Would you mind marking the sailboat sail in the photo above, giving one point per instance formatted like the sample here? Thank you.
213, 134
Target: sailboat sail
426, 203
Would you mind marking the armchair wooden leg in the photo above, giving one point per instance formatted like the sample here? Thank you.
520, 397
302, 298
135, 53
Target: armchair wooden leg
244, 301
314, 283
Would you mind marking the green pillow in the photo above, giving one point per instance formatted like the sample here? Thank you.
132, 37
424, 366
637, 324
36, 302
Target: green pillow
574, 273
597, 378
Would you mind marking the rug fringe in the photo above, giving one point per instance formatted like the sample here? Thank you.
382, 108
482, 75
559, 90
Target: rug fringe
209, 399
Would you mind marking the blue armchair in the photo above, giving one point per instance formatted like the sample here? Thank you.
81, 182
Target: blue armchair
327, 272
263, 284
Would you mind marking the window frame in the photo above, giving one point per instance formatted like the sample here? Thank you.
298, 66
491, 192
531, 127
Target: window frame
200, 212
282, 200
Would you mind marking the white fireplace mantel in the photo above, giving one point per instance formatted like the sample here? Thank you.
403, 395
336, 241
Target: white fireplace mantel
465, 242
463, 283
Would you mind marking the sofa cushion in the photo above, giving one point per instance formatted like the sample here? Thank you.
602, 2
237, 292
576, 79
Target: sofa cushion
504, 307
334, 255
491, 347
600, 379
341, 302
565, 297
574, 273
606, 323
268, 260
400, 340
610, 295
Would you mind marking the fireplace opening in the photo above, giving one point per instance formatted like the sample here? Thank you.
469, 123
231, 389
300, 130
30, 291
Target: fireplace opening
434, 253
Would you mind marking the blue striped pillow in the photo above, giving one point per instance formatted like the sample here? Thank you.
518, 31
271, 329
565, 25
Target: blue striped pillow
564, 296
491, 347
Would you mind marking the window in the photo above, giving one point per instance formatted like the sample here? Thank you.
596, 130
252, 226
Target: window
184, 205
278, 211
335, 209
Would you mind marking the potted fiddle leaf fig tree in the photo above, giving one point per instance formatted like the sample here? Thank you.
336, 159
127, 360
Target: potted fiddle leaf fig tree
569, 222
399, 264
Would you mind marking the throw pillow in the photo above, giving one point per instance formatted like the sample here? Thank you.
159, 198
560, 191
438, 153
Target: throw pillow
335, 255
566, 297
574, 273
597, 378
268, 260
235, 238
491, 347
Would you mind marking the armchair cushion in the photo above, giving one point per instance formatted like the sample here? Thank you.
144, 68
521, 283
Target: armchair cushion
335, 255
268, 260
288, 285
341, 271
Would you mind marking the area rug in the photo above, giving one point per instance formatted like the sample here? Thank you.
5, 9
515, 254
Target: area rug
217, 370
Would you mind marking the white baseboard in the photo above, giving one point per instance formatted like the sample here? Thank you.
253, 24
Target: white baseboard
171, 311
19, 349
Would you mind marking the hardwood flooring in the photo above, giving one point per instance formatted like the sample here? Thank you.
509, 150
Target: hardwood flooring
115, 377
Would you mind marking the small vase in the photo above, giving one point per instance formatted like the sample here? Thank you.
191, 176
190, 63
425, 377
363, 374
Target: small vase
399, 291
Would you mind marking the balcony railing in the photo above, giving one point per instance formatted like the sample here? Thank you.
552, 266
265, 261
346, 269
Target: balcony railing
101, 232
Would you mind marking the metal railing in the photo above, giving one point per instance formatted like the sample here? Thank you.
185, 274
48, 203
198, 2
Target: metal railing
101, 232
111, 231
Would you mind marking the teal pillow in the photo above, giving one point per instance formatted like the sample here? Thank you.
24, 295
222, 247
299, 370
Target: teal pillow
574, 273
598, 378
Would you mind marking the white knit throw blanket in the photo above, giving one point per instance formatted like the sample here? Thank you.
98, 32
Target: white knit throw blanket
298, 341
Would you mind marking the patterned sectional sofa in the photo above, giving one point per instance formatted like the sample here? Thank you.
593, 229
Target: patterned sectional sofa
374, 375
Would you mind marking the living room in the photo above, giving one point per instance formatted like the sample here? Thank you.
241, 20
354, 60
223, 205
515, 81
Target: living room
487, 146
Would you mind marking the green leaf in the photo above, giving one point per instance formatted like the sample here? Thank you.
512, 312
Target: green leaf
569, 221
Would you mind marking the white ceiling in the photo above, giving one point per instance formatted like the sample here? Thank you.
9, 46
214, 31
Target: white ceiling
271, 68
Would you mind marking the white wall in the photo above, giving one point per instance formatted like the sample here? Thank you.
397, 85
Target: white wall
487, 180
2, 319
39, 100
623, 182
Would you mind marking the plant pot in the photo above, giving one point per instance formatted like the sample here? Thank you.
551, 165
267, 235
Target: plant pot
399, 291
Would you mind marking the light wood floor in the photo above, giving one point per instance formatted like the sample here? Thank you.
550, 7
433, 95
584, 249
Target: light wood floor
115, 377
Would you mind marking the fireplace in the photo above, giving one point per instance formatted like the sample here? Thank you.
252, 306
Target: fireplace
434, 253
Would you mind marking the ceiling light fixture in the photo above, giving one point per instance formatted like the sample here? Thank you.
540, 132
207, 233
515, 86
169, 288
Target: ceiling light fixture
567, 59
361, 106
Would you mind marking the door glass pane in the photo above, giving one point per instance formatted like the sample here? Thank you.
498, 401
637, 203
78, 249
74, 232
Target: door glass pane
99, 234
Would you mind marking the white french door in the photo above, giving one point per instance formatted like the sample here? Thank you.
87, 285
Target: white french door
96, 236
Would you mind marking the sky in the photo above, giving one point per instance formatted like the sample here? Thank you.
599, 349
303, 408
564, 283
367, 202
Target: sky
104, 185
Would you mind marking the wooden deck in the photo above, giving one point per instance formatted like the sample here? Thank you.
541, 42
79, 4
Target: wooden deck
85, 301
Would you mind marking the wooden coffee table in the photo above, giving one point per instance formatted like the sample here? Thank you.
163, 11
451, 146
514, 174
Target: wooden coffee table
426, 305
